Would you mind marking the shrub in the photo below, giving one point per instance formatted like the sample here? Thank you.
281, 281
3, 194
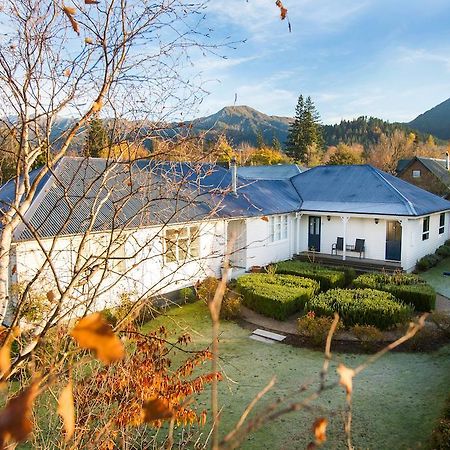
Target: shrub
231, 306
187, 295
440, 439
276, 296
361, 306
316, 328
328, 278
368, 335
408, 288
444, 251
427, 262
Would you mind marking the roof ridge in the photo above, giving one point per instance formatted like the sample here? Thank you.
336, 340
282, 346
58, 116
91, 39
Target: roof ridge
380, 175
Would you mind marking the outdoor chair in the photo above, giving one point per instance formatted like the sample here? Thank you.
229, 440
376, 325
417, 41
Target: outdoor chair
338, 245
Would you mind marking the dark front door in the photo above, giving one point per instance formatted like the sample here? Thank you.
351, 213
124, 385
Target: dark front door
394, 241
314, 233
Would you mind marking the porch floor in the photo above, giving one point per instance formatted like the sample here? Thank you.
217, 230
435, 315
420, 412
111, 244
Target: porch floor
359, 264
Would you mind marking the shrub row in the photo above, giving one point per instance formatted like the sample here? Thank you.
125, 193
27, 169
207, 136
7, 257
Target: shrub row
361, 306
408, 288
276, 296
429, 261
327, 278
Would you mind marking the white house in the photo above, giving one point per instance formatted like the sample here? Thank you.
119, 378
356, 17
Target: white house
100, 229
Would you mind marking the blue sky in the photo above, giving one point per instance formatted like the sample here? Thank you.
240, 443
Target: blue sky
386, 58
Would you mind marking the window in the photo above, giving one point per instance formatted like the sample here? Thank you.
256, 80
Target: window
181, 244
442, 223
426, 228
278, 226
416, 173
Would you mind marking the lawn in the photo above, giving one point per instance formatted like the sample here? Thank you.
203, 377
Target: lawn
435, 277
396, 401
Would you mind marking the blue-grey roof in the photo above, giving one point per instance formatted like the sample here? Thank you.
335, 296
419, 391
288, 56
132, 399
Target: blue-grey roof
438, 167
363, 189
147, 193
274, 172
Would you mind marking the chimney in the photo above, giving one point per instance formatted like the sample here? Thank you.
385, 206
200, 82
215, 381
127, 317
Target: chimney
233, 169
447, 161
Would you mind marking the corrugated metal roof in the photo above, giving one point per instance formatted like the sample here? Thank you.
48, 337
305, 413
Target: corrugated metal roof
438, 167
363, 189
275, 172
104, 195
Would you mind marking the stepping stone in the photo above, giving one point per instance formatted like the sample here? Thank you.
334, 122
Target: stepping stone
269, 335
255, 337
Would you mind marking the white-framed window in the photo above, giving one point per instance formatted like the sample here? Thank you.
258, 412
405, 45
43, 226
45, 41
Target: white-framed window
426, 228
416, 174
181, 244
441, 223
278, 228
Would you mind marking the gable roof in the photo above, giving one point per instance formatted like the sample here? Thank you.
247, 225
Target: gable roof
274, 172
144, 193
363, 189
437, 167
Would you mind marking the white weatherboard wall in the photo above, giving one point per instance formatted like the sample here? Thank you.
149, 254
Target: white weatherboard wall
415, 247
144, 271
260, 251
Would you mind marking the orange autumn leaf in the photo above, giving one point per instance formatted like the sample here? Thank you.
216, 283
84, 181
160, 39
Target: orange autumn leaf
94, 333
156, 409
91, 2
66, 410
265, 218
283, 10
5, 352
320, 429
67, 73
15, 418
50, 296
346, 378
70, 12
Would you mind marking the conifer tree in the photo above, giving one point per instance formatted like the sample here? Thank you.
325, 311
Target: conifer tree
305, 140
97, 139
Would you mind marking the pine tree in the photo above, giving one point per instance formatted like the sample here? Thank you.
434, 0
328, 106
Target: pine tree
305, 133
97, 139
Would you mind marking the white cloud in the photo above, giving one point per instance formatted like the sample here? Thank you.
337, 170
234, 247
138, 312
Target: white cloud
421, 55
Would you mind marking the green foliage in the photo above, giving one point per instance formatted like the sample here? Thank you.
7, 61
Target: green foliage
444, 251
361, 306
408, 288
327, 278
97, 138
276, 296
305, 133
187, 295
343, 155
316, 328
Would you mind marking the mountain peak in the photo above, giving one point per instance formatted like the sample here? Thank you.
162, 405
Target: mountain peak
435, 121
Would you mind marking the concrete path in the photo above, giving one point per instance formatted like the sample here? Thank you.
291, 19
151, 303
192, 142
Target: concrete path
289, 326
442, 304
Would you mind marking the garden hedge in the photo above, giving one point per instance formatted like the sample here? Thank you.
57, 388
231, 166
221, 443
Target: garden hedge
327, 278
277, 296
361, 307
408, 288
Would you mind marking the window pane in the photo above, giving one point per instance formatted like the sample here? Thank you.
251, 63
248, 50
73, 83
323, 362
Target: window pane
194, 249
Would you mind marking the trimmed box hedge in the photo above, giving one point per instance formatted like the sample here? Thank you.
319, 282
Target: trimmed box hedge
277, 296
327, 278
408, 288
361, 307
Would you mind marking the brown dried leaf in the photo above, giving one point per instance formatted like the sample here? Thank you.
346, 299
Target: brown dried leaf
66, 410
346, 378
91, 2
70, 13
50, 296
320, 429
15, 418
265, 218
88, 40
67, 73
156, 409
283, 10
94, 333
